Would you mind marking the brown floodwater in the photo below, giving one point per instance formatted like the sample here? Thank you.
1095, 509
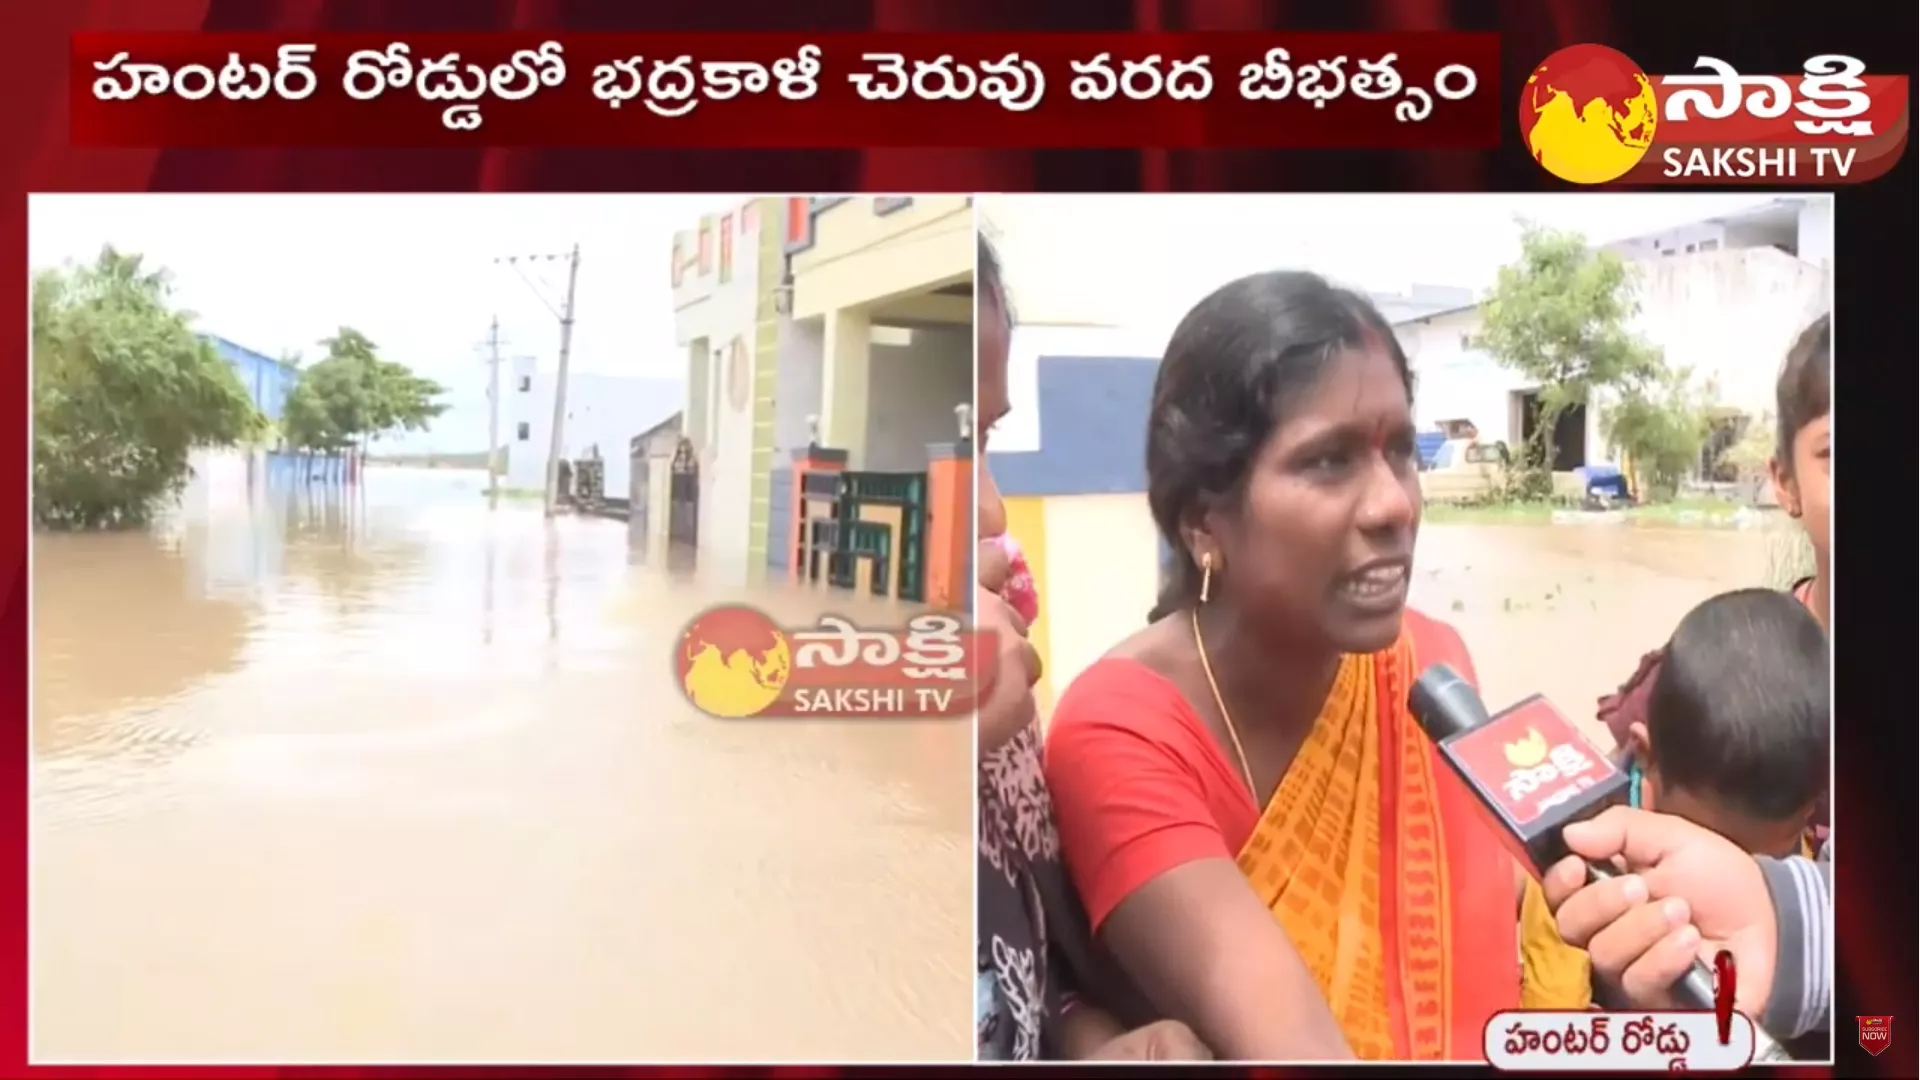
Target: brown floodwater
1568, 610
396, 777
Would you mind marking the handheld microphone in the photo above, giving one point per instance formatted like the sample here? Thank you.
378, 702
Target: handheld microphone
1535, 774
1531, 768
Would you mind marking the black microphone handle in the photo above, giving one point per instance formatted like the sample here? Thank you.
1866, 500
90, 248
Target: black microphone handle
1695, 988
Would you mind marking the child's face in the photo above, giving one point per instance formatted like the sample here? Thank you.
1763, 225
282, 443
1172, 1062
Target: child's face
1802, 485
1775, 838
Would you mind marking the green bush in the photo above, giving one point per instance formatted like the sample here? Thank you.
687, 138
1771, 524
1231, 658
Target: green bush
123, 391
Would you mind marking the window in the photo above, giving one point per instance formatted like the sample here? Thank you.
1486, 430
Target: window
726, 249
1466, 341
524, 431
1709, 245
706, 249
1691, 248
526, 384
749, 217
679, 267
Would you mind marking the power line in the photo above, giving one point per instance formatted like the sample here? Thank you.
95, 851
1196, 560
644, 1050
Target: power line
493, 409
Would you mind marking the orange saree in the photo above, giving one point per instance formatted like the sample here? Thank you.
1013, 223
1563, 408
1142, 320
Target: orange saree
1400, 898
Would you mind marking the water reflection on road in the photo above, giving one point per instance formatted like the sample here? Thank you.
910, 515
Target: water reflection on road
1568, 610
398, 778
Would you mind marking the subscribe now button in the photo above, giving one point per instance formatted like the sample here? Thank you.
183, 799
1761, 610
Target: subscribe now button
1540, 1041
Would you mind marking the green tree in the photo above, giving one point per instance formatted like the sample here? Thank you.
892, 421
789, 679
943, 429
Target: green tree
123, 391
1662, 422
1559, 317
352, 395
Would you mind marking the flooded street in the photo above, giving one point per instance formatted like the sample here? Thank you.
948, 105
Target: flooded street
1568, 610
399, 778
396, 778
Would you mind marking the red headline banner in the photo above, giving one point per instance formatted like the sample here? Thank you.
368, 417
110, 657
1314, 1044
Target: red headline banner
1351, 91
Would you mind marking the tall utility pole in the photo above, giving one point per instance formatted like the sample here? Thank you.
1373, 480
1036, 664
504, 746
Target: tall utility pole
559, 442
493, 406
557, 445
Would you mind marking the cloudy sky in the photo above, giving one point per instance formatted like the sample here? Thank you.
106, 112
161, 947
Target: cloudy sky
416, 273
1144, 260
277, 273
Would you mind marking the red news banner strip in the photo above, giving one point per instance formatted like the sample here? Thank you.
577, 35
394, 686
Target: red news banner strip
1352, 91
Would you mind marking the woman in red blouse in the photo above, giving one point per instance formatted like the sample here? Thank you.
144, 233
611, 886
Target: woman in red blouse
1266, 844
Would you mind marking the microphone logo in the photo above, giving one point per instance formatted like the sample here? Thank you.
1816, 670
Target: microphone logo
1528, 751
1724, 985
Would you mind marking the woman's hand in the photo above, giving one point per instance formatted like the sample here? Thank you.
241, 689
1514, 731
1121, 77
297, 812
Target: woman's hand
1006, 705
1166, 1040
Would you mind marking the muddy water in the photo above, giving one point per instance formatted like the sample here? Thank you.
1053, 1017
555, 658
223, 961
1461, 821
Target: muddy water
1568, 610
397, 778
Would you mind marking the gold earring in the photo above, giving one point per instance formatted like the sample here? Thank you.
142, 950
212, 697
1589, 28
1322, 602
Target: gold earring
1206, 576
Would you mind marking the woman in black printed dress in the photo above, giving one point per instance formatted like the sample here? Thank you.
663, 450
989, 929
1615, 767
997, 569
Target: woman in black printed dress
1032, 934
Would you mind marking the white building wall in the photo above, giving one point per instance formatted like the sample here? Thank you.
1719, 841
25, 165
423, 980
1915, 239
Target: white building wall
1815, 232
223, 481
1729, 315
1680, 240
921, 382
797, 385
526, 421
717, 320
1019, 431
1456, 381
604, 411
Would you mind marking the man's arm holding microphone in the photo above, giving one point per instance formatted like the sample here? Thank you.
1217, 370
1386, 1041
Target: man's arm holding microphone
1688, 892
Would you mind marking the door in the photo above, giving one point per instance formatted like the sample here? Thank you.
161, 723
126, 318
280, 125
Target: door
683, 520
637, 502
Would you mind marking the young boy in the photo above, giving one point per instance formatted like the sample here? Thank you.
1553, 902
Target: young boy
1737, 736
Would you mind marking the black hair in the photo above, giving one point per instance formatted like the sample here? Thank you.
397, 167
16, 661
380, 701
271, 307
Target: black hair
991, 283
1231, 370
1739, 708
1805, 390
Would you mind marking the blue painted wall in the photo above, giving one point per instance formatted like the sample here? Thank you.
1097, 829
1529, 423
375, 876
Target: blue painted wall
268, 381
1093, 433
1093, 429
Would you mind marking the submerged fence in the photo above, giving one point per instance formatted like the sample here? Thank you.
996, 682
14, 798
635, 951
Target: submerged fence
283, 468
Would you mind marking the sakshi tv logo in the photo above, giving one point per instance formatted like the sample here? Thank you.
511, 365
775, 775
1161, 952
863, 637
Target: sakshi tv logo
736, 663
1591, 115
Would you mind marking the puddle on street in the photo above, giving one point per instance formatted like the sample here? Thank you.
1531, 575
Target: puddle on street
1568, 610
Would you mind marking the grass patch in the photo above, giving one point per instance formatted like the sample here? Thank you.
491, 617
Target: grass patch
519, 494
1704, 510
1679, 509
1514, 513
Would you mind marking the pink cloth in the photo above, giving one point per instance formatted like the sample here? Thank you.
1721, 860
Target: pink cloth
1020, 591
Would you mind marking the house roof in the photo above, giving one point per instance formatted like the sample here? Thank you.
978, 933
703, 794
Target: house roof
233, 346
1431, 315
670, 423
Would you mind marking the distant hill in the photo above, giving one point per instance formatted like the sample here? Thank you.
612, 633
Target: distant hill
475, 460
